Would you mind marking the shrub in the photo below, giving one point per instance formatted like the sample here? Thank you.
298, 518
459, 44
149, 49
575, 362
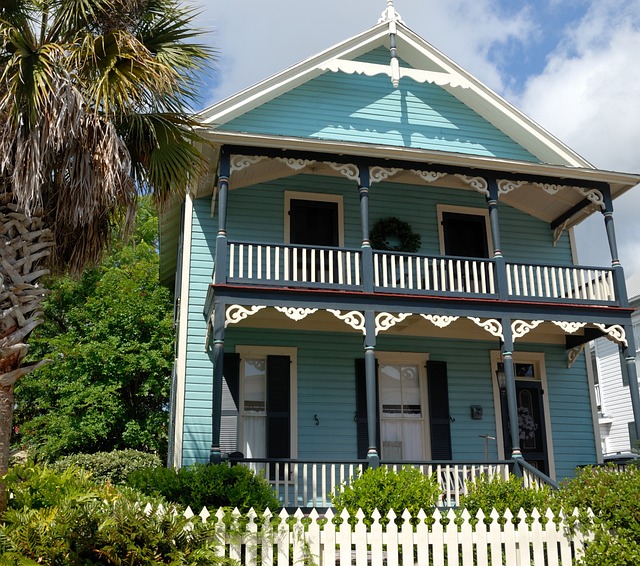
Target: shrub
64, 518
385, 489
110, 466
614, 498
207, 485
495, 492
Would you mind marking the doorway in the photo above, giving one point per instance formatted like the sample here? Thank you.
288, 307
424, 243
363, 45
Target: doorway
531, 416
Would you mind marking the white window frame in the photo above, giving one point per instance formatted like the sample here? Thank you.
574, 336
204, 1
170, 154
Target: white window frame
464, 210
538, 360
420, 360
319, 197
246, 351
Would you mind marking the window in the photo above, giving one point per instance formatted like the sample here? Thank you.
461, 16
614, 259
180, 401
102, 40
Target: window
464, 231
402, 409
267, 396
314, 219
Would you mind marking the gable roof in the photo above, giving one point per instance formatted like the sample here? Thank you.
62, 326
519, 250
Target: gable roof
421, 62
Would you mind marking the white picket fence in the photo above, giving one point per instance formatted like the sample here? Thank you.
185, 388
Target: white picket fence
435, 540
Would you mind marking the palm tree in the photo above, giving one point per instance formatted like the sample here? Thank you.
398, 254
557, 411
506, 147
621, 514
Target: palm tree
94, 99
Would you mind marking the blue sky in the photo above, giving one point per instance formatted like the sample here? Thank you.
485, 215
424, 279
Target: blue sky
571, 65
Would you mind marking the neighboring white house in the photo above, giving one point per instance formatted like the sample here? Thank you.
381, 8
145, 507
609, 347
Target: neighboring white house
615, 415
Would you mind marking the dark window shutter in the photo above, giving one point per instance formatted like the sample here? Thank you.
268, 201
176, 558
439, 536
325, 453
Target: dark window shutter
278, 406
230, 402
231, 373
362, 431
439, 422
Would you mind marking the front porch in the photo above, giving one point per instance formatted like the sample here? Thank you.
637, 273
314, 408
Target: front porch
308, 483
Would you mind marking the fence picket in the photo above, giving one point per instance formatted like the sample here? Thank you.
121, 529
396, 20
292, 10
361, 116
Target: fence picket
534, 538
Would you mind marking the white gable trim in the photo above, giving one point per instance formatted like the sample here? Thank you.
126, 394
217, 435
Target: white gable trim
430, 65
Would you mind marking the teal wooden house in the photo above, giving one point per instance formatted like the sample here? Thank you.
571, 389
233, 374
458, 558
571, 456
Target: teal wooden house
378, 268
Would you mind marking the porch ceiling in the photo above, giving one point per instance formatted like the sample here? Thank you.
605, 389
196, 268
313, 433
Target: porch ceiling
566, 204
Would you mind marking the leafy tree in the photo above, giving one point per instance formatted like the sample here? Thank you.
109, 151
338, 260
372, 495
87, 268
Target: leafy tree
110, 336
94, 101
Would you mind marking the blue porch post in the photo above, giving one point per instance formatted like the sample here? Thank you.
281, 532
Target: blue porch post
628, 351
215, 455
629, 356
220, 276
222, 256
373, 455
510, 382
367, 252
498, 258
618, 272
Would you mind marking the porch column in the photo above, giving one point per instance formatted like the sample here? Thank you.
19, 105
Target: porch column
215, 455
498, 258
510, 382
221, 259
618, 272
629, 356
367, 251
373, 455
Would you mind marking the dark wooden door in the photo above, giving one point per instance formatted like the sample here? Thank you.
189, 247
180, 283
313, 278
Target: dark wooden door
532, 428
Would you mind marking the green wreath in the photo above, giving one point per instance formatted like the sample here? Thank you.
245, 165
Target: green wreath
392, 227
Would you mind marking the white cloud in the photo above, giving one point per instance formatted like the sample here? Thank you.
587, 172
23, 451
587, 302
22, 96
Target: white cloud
588, 95
258, 38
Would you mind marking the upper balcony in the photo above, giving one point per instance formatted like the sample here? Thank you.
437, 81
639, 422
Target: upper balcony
330, 268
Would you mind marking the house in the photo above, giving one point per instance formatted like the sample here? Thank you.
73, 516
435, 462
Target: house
613, 400
379, 266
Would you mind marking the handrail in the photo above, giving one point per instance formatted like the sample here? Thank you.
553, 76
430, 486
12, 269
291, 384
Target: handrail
532, 476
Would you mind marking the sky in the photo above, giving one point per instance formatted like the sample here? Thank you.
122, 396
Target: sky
571, 65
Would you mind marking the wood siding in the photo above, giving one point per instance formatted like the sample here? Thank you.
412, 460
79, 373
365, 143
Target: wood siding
256, 214
616, 401
358, 108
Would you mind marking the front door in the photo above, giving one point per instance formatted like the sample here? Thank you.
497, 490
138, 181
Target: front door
531, 418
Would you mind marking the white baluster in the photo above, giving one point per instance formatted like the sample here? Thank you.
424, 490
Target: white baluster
340, 268
323, 272
259, 273
250, 262
268, 263
232, 254
241, 261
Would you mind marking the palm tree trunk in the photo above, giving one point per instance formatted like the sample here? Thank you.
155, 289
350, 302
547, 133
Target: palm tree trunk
24, 247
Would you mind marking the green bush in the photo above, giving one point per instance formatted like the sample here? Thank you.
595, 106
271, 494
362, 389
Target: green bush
385, 489
206, 485
614, 498
488, 493
64, 518
113, 466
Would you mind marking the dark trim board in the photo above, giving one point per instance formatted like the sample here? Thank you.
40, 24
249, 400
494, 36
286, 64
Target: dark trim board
381, 302
450, 169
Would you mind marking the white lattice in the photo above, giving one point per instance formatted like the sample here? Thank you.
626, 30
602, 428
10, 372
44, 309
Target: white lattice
378, 174
506, 186
521, 327
440, 321
240, 162
296, 313
569, 327
385, 320
295, 164
237, 313
428, 176
354, 319
491, 325
614, 332
347, 170
476, 183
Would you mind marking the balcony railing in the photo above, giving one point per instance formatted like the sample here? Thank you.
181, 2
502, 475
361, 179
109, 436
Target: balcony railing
301, 483
342, 268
